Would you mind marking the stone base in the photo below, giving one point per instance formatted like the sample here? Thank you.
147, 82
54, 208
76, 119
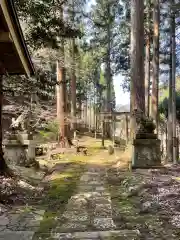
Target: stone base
23, 137
16, 153
146, 153
146, 136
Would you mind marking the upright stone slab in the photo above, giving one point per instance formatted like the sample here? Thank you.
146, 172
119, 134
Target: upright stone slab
146, 153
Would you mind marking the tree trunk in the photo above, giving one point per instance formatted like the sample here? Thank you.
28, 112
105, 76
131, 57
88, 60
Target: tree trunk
147, 61
89, 114
73, 88
61, 104
170, 126
108, 74
73, 73
127, 128
102, 137
174, 87
137, 61
155, 64
3, 166
85, 113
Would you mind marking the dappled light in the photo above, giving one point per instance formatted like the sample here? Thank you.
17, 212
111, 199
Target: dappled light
79, 161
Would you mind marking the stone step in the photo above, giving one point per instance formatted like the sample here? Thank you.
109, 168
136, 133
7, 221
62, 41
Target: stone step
103, 235
16, 235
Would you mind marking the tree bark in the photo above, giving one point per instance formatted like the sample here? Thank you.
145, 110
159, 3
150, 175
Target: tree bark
137, 61
108, 73
73, 88
127, 128
61, 105
170, 123
174, 87
147, 61
155, 64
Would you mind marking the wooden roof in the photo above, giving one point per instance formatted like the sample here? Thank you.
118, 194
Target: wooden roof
14, 55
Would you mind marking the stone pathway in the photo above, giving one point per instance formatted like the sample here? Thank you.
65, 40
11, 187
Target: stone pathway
20, 224
88, 214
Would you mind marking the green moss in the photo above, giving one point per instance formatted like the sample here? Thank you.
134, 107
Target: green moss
126, 206
60, 189
47, 223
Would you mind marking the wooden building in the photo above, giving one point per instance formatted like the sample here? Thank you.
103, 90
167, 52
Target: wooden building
14, 56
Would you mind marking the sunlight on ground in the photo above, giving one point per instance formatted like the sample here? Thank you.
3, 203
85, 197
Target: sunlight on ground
63, 182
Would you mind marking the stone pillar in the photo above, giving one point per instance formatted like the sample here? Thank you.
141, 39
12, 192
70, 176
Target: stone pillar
14, 152
20, 150
146, 153
147, 147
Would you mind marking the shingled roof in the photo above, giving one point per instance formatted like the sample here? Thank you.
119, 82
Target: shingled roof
14, 55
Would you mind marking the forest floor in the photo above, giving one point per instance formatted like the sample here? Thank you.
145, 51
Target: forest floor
91, 197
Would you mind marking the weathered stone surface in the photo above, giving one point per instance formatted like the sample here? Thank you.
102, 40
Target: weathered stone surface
74, 226
100, 189
77, 203
89, 208
20, 151
12, 235
76, 216
146, 153
104, 235
22, 221
103, 223
86, 235
2, 228
103, 200
15, 153
85, 188
95, 183
4, 220
103, 210
62, 236
122, 234
90, 177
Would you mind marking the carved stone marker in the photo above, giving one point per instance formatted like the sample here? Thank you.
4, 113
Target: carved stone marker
147, 151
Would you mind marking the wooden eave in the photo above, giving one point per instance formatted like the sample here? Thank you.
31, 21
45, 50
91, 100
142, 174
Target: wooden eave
14, 55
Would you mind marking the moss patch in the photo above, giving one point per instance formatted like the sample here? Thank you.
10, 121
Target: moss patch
60, 188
